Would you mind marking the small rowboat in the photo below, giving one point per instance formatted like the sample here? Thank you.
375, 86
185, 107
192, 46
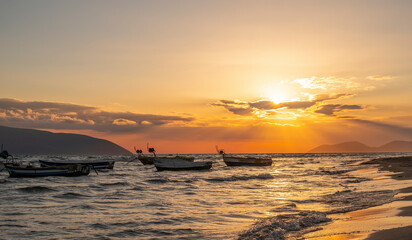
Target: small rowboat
177, 164
29, 171
246, 161
232, 160
93, 164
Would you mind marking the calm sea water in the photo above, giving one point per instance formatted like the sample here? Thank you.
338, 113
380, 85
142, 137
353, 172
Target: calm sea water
137, 202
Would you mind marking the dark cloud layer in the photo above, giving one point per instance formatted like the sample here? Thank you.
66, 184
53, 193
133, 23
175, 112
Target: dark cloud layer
52, 115
331, 109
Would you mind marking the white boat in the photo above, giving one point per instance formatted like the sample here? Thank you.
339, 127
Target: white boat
178, 164
246, 161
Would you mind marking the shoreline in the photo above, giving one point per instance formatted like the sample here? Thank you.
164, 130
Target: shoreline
388, 221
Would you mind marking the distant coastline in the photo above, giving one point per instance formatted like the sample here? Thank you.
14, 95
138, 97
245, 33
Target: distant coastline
357, 147
37, 142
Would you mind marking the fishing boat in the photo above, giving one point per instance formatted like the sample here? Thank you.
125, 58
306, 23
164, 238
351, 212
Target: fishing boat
177, 164
30, 171
246, 161
150, 160
146, 160
233, 160
93, 164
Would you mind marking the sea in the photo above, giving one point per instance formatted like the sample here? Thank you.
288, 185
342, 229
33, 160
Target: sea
135, 201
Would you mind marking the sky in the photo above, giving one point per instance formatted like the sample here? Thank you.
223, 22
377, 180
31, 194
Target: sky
187, 75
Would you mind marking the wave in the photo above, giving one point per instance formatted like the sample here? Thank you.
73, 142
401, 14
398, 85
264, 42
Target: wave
348, 200
333, 172
36, 189
158, 180
277, 227
114, 184
71, 195
262, 176
289, 207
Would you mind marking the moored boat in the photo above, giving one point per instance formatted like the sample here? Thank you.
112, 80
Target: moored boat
246, 161
177, 164
146, 160
30, 171
233, 160
93, 164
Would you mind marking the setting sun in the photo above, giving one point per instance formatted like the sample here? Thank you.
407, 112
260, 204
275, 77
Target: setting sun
279, 96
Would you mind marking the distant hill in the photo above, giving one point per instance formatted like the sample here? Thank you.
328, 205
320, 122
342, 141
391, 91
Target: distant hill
394, 146
36, 142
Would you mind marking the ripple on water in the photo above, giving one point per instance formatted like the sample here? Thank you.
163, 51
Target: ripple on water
71, 195
262, 176
99, 226
137, 188
158, 180
36, 189
114, 184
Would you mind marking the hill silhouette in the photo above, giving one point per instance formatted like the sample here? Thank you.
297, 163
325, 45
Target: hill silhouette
394, 146
37, 142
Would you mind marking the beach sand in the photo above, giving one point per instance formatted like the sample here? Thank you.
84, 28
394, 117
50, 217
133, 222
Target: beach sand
389, 221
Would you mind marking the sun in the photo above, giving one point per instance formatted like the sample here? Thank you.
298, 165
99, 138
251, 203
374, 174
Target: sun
278, 96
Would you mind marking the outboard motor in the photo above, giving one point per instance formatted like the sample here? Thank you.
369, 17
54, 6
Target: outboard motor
138, 151
4, 154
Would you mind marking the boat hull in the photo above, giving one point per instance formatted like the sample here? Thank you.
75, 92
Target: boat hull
150, 160
146, 160
180, 165
95, 165
68, 171
245, 161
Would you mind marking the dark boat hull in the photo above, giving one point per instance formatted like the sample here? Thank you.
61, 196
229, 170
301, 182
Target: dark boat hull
238, 164
246, 161
67, 171
95, 165
146, 160
206, 167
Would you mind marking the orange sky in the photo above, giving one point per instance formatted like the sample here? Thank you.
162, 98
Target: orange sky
266, 76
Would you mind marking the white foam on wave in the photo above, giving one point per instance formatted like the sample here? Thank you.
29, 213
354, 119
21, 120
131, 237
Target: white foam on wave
276, 227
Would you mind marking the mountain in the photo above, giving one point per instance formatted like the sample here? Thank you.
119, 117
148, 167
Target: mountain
36, 142
397, 146
394, 146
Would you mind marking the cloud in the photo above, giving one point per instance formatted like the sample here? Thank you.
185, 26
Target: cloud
249, 108
333, 83
298, 104
327, 83
325, 97
264, 105
235, 107
53, 115
380, 77
331, 109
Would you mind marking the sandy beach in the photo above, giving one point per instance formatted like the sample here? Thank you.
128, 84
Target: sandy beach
388, 221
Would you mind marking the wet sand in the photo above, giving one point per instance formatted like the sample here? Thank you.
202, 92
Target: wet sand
389, 221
